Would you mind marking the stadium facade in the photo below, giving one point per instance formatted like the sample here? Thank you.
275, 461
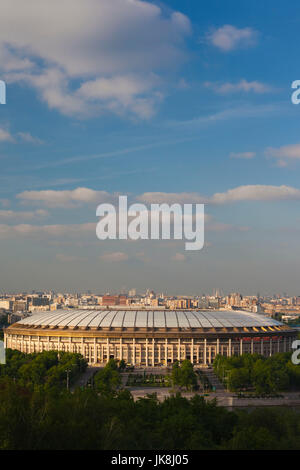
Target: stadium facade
150, 338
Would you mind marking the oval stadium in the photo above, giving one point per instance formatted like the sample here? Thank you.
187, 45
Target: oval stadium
149, 337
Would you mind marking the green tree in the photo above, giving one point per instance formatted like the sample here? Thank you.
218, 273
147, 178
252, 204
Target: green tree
183, 375
238, 378
108, 379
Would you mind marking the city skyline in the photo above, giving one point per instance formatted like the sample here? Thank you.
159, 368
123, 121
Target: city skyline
200, 112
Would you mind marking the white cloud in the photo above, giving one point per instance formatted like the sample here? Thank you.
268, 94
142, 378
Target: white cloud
241, 86
134, 94
228, 37
91, 37
65, 198
141, 256
178, 257
52, 86
27, 137
223, 227
11, 61
171, 198
122, 93
68, 258
5, 136
9, 214
79, 196
284, 154
114, 257
99, 42
255, 192
242, 155
41, 232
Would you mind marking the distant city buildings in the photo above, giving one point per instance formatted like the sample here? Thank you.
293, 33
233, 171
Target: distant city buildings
23, 304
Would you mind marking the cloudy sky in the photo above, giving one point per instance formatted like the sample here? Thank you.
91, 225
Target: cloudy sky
173, 101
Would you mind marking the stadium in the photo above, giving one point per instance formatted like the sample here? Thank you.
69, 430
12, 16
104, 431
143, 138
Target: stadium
150, 338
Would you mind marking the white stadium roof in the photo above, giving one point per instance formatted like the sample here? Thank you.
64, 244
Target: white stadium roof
148, 319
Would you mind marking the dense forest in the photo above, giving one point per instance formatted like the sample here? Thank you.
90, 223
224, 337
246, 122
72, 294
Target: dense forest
263, 375
39, 418
48, 369
38, 412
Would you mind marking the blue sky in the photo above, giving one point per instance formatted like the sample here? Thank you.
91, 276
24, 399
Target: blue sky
187, 98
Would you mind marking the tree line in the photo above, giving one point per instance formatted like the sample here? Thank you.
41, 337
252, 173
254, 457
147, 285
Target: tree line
53, 418
38, 412
48, 369
263, 375
108, 379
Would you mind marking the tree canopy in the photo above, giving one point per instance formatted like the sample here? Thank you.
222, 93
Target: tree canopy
264, 375
183, 375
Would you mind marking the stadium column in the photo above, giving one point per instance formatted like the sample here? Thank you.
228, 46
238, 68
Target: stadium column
121, 349
29, 343
107, 349
166, 351
192, 351
262, 346
229, 347
218, 346
127, 352
153, 352
270, 346
204, 351
241, 346
252, 346
95, 351
178, 351
58, 343
146, 359
102, 353
89, 353
133, 348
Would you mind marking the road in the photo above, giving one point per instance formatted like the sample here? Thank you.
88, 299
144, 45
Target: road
213, 379
84, 378
226, 399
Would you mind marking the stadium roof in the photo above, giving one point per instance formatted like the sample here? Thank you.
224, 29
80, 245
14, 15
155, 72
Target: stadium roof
186, 320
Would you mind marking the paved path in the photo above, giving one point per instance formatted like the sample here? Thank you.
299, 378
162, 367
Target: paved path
84, 378
226, 399
213, 379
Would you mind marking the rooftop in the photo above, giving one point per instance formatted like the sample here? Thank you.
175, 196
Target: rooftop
171, 319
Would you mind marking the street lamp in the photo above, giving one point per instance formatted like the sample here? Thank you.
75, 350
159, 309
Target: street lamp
68, 380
